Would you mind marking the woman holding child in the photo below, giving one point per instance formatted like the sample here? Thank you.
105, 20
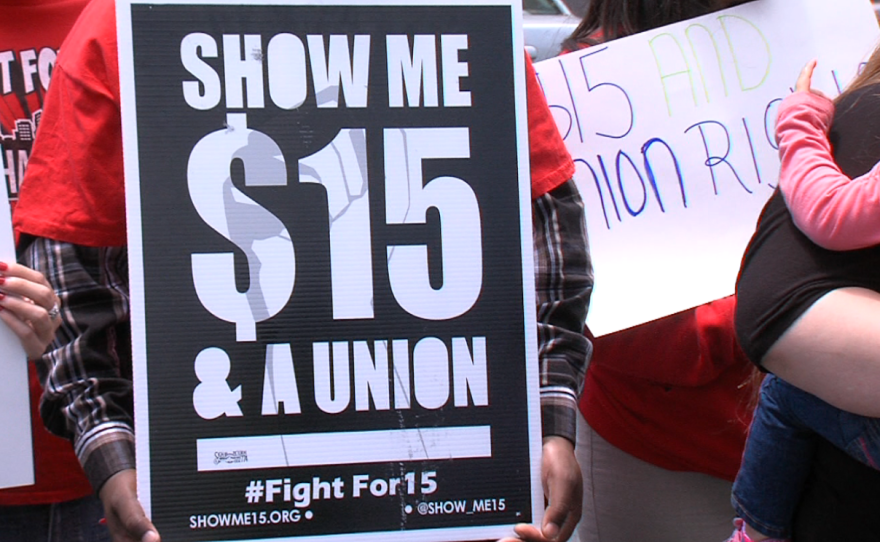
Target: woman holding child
809, 303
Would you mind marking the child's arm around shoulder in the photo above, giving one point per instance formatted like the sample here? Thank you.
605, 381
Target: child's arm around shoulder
834, 211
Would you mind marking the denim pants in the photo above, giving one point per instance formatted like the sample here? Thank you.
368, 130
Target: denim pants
780, 448
71, 521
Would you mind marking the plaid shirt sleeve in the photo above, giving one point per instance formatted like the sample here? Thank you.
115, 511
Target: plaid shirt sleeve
86, 373
563, 284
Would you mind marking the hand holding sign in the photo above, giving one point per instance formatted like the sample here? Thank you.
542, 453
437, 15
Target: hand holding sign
29, 306
125, 516
563, 489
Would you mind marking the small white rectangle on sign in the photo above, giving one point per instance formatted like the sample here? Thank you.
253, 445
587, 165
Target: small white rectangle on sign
344, 448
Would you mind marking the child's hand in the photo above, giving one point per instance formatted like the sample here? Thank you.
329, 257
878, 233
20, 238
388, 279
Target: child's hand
805, 78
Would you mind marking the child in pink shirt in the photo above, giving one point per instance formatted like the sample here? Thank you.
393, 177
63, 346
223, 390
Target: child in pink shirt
834, 211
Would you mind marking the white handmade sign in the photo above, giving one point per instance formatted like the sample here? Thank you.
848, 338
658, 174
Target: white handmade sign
672, 133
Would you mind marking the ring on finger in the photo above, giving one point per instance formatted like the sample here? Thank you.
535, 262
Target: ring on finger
54, 311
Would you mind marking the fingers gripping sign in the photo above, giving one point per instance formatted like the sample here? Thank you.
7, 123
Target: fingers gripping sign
563, 490
212, 398
125, 516
29, 306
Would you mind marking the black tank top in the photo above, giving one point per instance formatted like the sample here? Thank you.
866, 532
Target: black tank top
783, 273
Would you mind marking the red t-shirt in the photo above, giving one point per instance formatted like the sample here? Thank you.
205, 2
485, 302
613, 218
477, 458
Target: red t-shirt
78, 171
74, 189
31, 32
549, 161
58, 474
675, 392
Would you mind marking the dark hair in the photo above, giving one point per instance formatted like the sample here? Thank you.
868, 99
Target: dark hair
607, 20
869, 75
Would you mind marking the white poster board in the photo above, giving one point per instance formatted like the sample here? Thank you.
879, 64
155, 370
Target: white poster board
16, 448
672, 133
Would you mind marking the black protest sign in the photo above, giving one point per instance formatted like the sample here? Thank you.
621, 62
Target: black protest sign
336, 327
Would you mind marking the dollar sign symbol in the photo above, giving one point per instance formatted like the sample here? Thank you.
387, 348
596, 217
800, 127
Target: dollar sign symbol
252, 228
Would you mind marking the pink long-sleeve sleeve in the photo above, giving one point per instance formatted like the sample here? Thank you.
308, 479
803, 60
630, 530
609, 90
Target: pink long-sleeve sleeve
834, 211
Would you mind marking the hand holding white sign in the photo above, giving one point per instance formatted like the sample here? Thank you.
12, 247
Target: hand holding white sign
29, 306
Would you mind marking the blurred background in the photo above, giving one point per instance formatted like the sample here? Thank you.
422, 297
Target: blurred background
546, 23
